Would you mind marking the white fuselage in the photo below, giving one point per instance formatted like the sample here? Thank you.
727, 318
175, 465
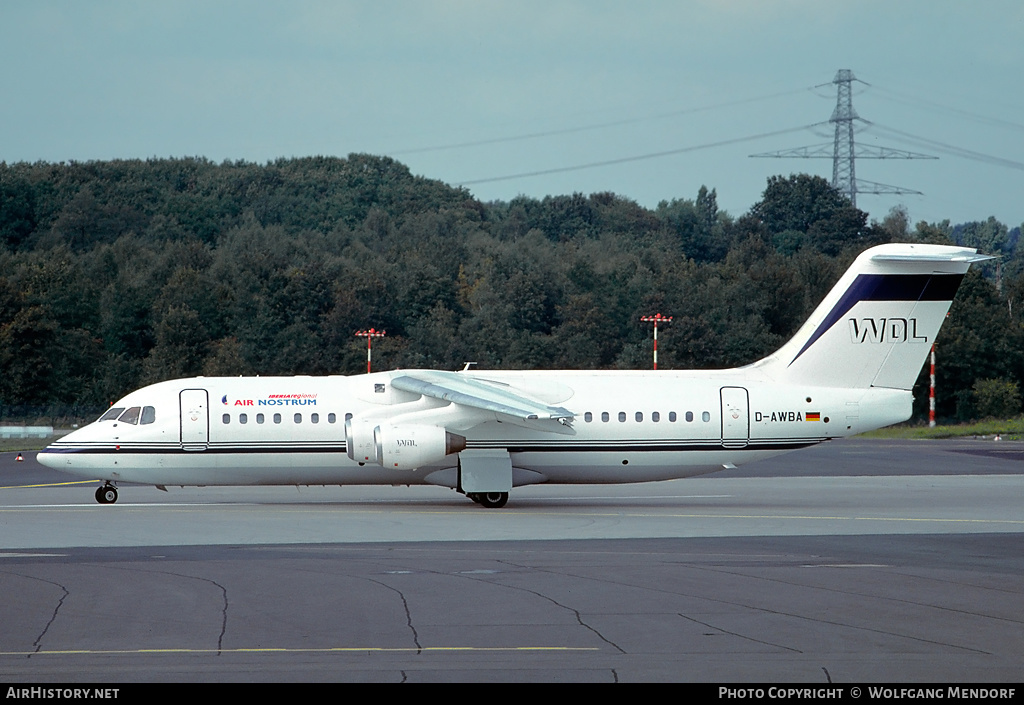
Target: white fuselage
627, 427
848, 369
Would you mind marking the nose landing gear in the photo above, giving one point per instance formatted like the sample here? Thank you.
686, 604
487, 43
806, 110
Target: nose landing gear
106, 494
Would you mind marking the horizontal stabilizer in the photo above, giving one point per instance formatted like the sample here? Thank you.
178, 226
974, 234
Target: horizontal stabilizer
966, 255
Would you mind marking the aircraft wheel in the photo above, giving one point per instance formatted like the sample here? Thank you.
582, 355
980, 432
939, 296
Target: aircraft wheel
492, 500
106, 494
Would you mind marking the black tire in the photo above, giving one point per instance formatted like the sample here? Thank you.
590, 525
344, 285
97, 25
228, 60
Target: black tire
106, 495
492, 500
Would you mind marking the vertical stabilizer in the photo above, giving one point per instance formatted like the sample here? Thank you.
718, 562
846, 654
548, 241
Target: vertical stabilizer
876, 326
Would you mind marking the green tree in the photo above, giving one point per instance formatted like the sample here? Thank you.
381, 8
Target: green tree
978, 341
810, 205
989, 236
28, 345
181, 346
996, 398
697, 225
935, 234
17, 209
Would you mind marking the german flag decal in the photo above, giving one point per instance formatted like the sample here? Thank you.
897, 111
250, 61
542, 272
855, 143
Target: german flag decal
813, 416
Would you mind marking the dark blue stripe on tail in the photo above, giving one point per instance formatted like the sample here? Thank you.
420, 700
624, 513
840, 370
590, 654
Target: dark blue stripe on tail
888, 287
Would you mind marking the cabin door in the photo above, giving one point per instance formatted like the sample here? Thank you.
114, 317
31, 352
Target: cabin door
195, 419
735, 417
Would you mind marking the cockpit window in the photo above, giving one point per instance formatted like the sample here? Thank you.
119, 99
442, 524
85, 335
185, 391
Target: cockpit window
112, 413
131, 416
148, 415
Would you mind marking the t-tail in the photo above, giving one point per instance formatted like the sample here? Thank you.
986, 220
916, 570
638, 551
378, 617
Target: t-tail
876, 326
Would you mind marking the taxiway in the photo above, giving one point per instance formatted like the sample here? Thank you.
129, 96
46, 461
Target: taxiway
852, 562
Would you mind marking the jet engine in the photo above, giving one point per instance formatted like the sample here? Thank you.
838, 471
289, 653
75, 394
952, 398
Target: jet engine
359, 442
411, 446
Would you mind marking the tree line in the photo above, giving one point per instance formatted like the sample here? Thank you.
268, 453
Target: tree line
117, 274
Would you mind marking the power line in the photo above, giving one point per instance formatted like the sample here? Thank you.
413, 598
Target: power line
845, 151
906, 99
596, 126
640, 157
951, 149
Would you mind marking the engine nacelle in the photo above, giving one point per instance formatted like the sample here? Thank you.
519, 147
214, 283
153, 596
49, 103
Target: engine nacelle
410, 446
359, 443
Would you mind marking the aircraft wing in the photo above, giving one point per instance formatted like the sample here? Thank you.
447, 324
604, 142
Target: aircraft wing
485, 395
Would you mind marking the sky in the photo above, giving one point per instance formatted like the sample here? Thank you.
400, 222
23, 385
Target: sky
648, 99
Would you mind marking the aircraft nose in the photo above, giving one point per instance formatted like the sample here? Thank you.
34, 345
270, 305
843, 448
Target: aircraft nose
55, 454
47, 458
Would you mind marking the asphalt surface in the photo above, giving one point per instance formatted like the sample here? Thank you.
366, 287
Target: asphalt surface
849, 563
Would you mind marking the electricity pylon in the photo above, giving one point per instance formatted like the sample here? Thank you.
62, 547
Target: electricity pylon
844, 152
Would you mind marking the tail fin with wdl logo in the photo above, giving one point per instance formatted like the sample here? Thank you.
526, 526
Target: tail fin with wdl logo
876, 326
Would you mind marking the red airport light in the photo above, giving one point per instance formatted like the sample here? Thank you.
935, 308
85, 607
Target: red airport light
370, 335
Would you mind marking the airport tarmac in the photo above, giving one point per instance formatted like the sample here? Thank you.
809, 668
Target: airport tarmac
852, 562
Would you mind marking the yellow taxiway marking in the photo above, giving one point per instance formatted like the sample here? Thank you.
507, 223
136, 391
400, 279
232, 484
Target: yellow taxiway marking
50, 484
323, 650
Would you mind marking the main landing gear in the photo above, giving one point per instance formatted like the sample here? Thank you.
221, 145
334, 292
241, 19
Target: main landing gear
106, 494
491, 500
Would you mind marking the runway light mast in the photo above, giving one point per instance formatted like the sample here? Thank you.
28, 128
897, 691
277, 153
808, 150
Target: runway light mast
370, 335
656, 319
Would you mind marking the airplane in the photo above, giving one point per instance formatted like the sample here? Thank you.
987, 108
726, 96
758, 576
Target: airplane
849, 369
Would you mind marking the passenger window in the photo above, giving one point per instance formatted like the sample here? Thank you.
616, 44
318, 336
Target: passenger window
148, 415
226, 418
672, 416
298, 418
705, 416
588, 417
689, 416
622, 417
604, 416
639, 416
243, 418
331, 418
112, 413
655, 416
314, 418
131, 416
277, 418
259, 418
